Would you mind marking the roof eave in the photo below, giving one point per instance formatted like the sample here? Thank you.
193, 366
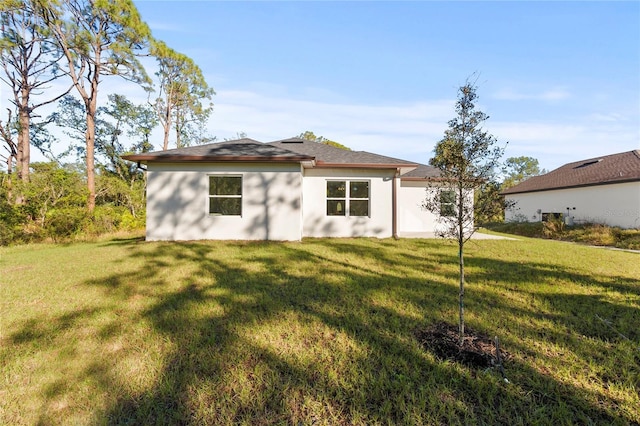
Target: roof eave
323, 164
204, 158
420, 179
584, 185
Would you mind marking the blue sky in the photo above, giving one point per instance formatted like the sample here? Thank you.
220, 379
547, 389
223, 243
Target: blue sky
560, 81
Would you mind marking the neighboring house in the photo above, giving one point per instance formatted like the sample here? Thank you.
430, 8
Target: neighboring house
283, 190
598, 190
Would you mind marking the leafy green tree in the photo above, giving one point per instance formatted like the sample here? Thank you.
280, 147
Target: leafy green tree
29, 62
519, 169
70, 116
488, 204
98, 38
310, 136
119, 182
133, 121
182, 96
53, 186
467, 158
120, 117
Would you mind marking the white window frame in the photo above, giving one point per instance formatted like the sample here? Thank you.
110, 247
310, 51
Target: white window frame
449, 204
209, 196
347, 198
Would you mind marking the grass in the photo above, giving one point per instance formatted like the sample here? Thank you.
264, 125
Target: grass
128, 332
589, 233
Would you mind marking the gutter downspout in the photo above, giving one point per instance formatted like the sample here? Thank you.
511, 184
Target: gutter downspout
394, 202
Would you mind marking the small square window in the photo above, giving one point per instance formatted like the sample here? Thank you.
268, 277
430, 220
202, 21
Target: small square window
225, 195
336, 189
341, 202
336, 208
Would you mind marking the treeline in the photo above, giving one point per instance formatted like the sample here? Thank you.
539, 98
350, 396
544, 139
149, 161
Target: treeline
61, 53
56, 209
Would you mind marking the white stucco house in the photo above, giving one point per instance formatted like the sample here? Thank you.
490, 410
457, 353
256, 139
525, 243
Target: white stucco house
602, 190
282, 190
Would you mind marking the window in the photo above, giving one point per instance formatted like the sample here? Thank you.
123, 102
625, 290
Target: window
351, 202
225, 195
447, 203
546, 217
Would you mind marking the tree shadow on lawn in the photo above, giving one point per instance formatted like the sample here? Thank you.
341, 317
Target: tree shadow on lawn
254, 340
576, 312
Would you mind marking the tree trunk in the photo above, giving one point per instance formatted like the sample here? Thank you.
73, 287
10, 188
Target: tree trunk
24, 142
167, 127
461, 241
90, 160
461, 297
92, 105
165, 145
9, 178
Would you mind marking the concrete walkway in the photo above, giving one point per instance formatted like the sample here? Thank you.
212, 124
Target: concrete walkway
475, 236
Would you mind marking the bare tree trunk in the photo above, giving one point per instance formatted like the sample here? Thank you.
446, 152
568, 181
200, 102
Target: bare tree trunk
461, 241
178, 134
90, 160
90, 137
461, 294
9, 178
167, 128
24, 142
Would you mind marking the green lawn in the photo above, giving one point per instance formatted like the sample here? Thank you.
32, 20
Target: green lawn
318, 332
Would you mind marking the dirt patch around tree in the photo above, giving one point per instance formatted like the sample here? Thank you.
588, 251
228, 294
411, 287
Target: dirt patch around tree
478, 350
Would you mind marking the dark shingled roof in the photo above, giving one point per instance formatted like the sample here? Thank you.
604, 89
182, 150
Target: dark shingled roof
615, 168
293, 149
327, 155
237, 150
422, 172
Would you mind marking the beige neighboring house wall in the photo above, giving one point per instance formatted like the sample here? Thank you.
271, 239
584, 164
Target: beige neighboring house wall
602, 190
177, 202
613, 205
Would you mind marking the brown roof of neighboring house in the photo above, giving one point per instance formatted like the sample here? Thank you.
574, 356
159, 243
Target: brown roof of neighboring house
608, 169
236, 150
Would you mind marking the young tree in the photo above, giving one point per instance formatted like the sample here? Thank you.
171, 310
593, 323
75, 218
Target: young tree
98, 38
30, 63
182, 90
467, 157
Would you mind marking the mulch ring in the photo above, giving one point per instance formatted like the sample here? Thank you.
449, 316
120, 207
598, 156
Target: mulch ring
477, 350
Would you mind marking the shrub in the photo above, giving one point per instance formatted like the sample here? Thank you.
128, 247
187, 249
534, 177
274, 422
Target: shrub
627, 238
131, 223
587, 233
553, 228
62, 223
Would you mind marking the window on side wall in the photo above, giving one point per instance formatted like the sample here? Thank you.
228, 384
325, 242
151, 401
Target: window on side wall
348, 198
225, 195
447, 203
